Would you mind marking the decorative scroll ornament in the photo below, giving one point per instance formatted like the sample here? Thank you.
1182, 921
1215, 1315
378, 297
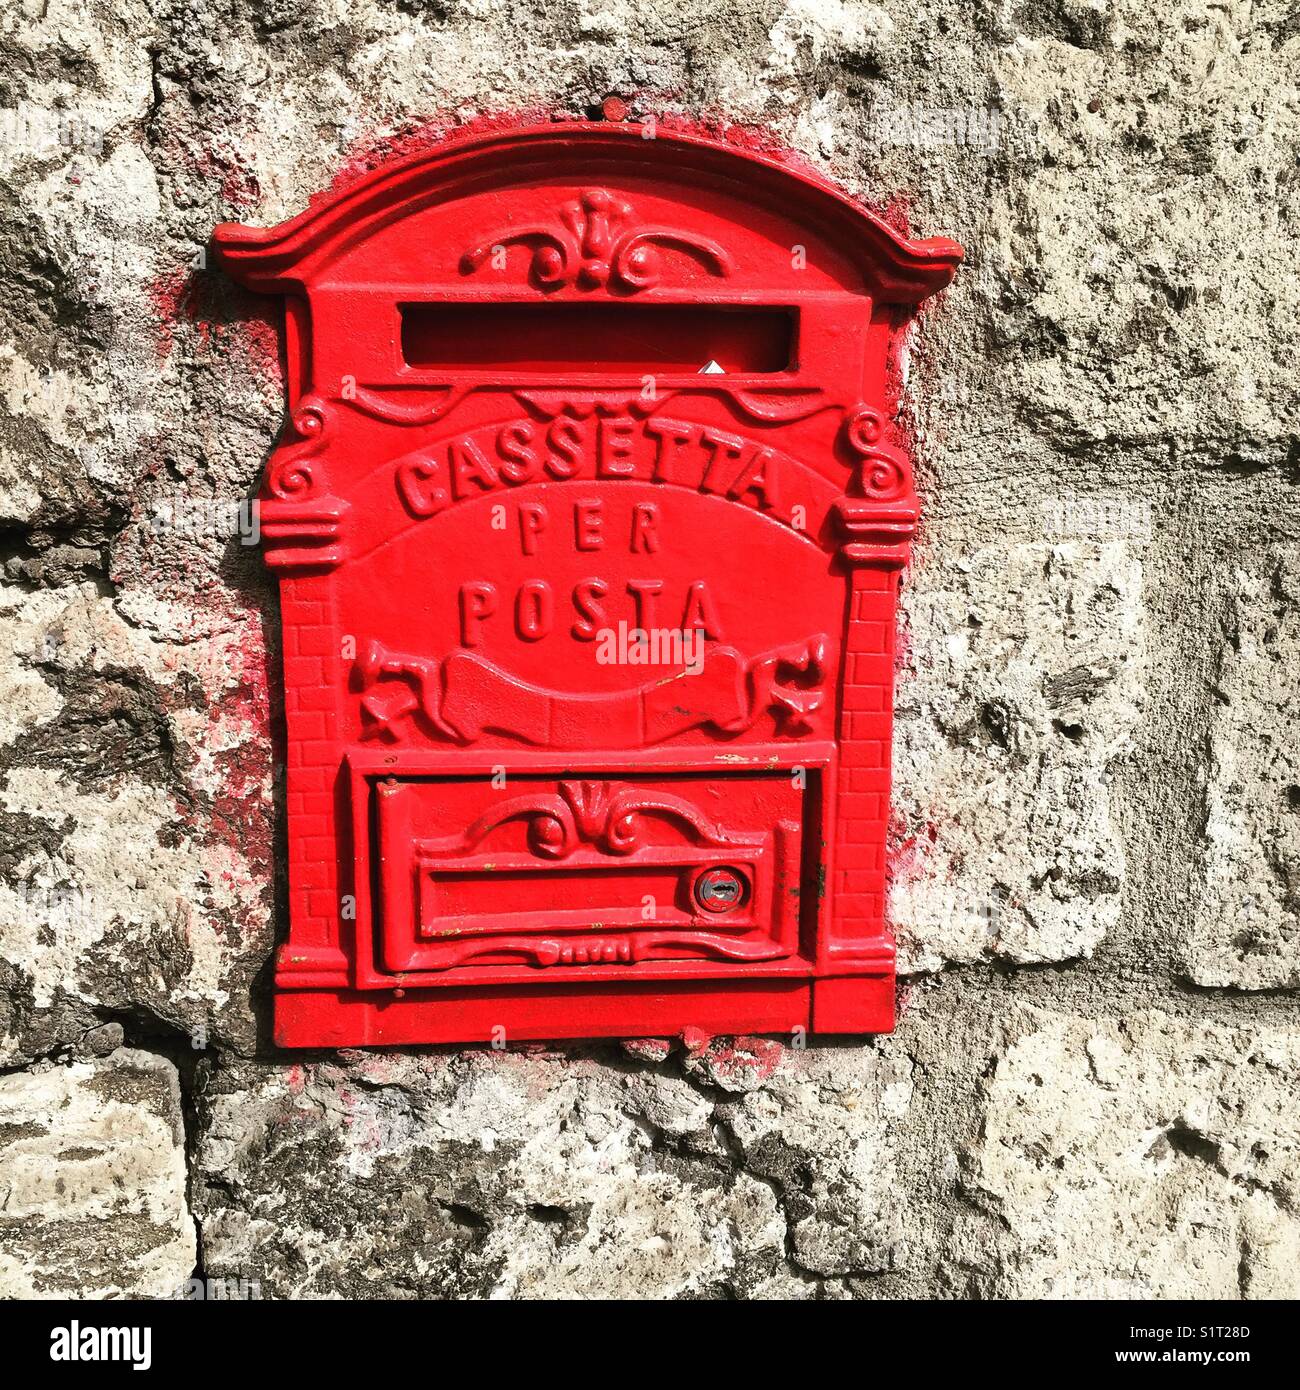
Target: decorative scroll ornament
610, 950
782, 405
883, 472
301, 522
583, 404
293, 474
593, 247
464, 696
380, 407
605, 815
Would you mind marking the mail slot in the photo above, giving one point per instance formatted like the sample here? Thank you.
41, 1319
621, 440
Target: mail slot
588, 519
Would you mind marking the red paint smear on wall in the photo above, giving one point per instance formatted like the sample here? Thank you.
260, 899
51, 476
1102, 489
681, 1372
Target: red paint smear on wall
172, 297
220, 165
746, 1059
221, 318
908, 848
240, 816
419, 135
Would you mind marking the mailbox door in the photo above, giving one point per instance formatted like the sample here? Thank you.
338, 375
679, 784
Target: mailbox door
590, 871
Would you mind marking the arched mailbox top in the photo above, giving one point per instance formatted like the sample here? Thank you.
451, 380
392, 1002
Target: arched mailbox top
679, 215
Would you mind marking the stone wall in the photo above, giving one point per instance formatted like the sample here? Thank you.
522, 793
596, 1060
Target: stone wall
1096, 867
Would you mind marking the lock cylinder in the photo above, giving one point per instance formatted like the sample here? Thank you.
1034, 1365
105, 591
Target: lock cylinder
721, 889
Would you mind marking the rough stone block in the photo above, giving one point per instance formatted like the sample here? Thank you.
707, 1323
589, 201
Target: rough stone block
1247, 928
1020, 684
135, 821
523, 1175
92, 1167
1140, 1157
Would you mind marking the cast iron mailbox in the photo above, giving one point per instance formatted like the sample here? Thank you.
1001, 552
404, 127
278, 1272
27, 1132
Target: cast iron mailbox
588, 527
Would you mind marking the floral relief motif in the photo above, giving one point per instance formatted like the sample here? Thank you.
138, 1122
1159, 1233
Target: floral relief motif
608, 817
595, 246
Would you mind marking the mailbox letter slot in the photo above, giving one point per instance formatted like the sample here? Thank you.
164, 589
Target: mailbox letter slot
617, 339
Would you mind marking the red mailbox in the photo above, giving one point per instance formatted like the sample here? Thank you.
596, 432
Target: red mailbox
588, 525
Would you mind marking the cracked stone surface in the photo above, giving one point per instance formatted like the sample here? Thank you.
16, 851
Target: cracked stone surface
92, 1167
133, 882
1140, 1157
508, 1175
1094, 763
1247, 934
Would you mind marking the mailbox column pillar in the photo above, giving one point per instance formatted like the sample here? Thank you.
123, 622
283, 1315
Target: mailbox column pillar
302, 529
859, 884
311, 678
877, 527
